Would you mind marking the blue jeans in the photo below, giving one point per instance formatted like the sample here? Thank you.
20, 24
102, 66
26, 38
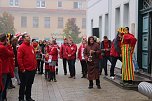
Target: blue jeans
17, 75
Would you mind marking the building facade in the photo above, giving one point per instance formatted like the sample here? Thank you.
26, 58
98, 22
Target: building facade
104, 17
44, 19
145, 35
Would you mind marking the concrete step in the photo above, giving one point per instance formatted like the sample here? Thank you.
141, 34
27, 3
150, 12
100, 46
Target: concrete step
118, 80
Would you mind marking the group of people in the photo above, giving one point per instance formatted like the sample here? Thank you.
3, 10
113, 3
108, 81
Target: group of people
97, 54
22, 57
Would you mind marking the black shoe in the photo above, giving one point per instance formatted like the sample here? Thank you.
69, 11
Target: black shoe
70, 76
99, 87
55, 80
90, 87
12, 86
30, 99
65, 73
4, 99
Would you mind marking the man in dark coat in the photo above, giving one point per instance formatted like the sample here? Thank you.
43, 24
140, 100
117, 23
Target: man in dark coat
91, 54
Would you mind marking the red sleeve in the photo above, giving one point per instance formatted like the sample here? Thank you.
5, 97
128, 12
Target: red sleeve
61, 51
20, 56
53, 51
74, 51
79, 52
8, 52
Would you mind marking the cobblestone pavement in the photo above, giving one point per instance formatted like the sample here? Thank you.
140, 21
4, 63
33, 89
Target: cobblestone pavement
67, 89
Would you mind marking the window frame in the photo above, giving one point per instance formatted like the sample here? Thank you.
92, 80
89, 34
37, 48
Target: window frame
61, 4
14, 3
60, 19
46, 24
24, 24
35, 22
39, 3
79, 5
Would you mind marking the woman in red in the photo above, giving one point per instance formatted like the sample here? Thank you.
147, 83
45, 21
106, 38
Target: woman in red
63, 55
71, 50
54, 57
82, 59
38, 53
46, 66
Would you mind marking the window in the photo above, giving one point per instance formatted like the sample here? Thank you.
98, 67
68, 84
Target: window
77, 5
117, 18
23, 21
40, 3
83, 22
35, 22
60, 22
59, 3
106, 24
47, 22
14, 2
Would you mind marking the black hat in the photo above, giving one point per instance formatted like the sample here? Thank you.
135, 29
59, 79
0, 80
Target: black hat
2, 37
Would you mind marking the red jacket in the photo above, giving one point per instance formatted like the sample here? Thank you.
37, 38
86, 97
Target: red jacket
54, 52
46, 63
26, 57
4, 68
1, 84
63, 51
113, 51
81, 52
5, 54
11, 61
71, 50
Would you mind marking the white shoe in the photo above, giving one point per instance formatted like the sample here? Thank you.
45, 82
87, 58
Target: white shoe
112, 77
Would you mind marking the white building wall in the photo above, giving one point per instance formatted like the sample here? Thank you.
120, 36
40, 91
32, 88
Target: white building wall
98, 8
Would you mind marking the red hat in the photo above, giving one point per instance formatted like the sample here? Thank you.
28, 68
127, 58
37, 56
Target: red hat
18, 34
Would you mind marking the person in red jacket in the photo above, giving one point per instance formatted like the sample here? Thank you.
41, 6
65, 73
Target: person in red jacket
105, 47
54, 58
115, 53
11, 62
5, 53
82, 59
63, 56
27, 68
46, 66
71, 50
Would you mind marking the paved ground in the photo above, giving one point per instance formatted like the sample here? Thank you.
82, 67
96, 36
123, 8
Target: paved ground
67, 89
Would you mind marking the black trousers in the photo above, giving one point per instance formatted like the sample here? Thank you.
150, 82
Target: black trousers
113, 64
65, 65
38, 65
91, 82
71, 64
41, 66
5, 80
27, 79
105, 60
84, 67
